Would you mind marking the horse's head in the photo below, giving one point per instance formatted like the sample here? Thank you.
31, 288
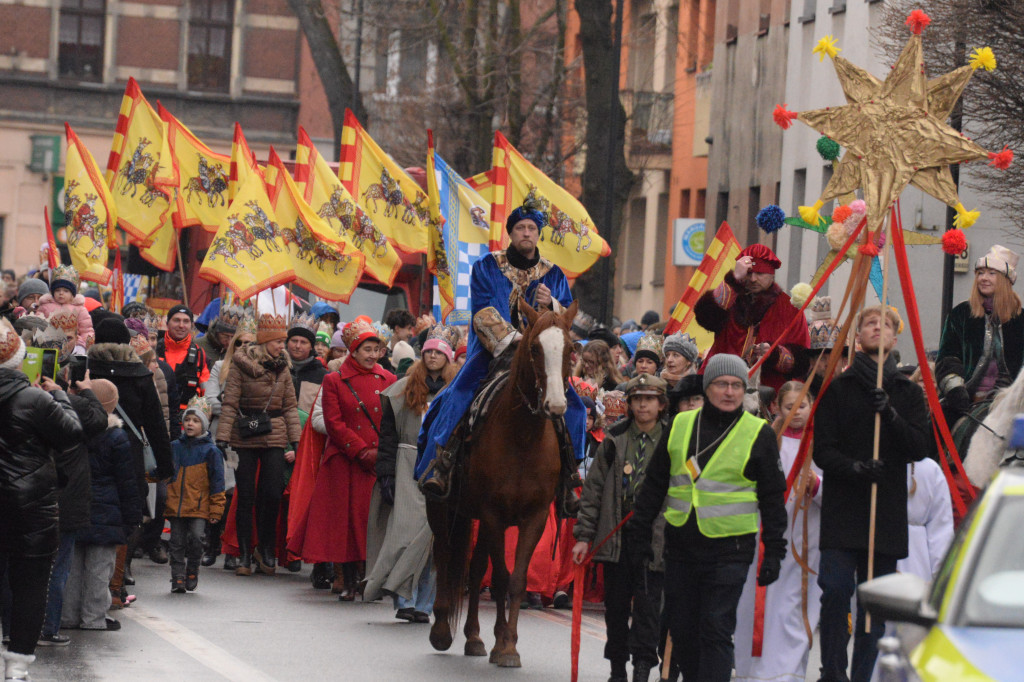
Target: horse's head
546, 348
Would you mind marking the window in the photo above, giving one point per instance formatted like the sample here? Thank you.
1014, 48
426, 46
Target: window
209, 44
661, 239
702, 198
413, 62
684, 203
634, 256
722, 208
81, 39
808, 15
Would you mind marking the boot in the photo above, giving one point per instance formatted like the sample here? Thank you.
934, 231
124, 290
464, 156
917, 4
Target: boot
178, 584
191, 577
230, 562
244, 559
265, 560
641, 671
338, 584
435, 482
16, 665
618, 672
321, 576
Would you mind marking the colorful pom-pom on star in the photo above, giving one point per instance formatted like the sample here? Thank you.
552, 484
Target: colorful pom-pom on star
771, 218
965, 218
827, 148
918, 21
810, 213
841, 213
869, 249
983, 58
1001, 159
826, 47
954, 242
783, 117
799, 293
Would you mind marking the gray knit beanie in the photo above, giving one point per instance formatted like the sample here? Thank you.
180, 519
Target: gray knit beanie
682, 344
32, 286
725, 365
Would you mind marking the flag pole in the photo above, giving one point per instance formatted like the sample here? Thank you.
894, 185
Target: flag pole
887, 228
181, 268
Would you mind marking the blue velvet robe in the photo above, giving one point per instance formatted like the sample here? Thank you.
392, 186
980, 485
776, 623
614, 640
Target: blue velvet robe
489, 287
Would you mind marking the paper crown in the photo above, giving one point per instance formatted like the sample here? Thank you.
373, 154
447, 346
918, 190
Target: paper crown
304, 321
356, 332
154, 322
140, 344
583, 387
67, 273
247, 325
821, 308
229, 317
583, 323
383, 332
201, 404
445, 333
65, 320
824, 334
651, 343
10, 342
51, 337
270, 327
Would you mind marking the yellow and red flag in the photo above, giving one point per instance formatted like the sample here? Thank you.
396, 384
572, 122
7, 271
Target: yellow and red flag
162, 251
52, 254
324, 263
89, 212
247, 254
202, 195
573, 243
719, 258
458, 236
140, 172
243, 162
117, 284
392, 199
330, 200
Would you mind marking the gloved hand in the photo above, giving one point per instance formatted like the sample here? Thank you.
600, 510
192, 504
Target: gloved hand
367, 458
872, 470
387, 489
957, 400
880, 401
769, 572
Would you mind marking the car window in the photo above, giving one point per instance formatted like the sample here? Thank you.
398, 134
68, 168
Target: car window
995, 593
941, 580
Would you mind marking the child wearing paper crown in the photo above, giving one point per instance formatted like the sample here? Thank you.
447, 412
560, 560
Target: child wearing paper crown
195, 495
64, 296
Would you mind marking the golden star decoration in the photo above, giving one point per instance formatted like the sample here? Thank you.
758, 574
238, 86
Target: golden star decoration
895, 134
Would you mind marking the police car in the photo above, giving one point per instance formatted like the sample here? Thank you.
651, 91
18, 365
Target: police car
968, 623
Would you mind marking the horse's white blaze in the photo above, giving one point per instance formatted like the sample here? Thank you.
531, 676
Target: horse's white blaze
552, 341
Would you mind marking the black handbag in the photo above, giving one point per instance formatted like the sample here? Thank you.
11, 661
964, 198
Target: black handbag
257, 423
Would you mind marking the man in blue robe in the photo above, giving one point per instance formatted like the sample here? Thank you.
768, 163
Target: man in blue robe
499, 280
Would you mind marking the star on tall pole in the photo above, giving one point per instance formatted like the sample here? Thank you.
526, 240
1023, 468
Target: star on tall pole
895, 131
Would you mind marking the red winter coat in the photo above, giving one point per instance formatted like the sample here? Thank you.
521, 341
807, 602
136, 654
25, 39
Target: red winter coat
335, 529
728, 312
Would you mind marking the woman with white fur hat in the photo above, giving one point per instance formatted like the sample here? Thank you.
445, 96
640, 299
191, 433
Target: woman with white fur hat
982, 346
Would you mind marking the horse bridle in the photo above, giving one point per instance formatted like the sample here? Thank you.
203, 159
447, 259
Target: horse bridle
538, 409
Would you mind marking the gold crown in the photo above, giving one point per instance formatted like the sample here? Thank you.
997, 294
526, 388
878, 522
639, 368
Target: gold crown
650, 342
65, 320
303, 321
10, 342
66, 273
824, 334
140, 344
247, 325
821, 308
446, 333
229, 318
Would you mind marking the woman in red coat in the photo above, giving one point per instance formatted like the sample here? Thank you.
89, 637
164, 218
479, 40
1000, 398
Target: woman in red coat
339, 509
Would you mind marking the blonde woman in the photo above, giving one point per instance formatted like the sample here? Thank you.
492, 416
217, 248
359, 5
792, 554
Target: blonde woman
259, 391
982, 344
597, 367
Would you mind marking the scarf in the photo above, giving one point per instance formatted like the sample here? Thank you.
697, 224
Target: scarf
299, 365
750, 309
275, 365
519, 261
434, 385
351, 363
865, 369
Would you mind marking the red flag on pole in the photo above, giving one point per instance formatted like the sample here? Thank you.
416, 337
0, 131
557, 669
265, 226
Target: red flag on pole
51, 243
117, 284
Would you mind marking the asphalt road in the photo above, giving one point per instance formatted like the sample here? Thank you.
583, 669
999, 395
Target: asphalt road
261, 628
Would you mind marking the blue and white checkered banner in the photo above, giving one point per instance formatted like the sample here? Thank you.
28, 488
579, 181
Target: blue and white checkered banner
468, 255
132, 285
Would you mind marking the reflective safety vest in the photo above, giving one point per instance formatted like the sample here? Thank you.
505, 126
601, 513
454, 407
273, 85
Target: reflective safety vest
725, 499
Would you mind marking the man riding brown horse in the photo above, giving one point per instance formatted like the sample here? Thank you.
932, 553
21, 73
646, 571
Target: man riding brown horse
498, 282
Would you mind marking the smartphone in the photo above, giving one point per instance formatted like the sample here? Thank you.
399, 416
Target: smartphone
79, 366
49, 366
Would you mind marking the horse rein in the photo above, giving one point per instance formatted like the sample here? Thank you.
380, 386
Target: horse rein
538, 409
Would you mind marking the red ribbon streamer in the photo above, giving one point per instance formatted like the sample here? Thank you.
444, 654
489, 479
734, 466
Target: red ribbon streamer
578, 585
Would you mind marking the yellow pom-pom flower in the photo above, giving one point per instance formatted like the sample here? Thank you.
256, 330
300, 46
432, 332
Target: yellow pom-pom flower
965, 218
810, 215
826, 47
983, 58
799, 293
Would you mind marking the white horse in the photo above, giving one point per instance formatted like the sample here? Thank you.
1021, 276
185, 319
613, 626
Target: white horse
986, 449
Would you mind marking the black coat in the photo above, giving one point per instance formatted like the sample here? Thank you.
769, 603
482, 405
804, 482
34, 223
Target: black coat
38, 432
75, 496
138, 398
844, 427
116, 503
173, 399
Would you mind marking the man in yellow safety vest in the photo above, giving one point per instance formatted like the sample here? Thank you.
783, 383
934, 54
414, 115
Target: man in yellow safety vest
715, 471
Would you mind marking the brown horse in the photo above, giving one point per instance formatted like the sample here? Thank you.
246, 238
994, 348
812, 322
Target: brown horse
509, 478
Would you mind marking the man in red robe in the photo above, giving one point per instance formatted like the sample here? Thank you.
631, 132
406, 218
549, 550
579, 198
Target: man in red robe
748, 311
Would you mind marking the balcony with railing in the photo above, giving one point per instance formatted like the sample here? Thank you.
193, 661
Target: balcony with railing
649, 121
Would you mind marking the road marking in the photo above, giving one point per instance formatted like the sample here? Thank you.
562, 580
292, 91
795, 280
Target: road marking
206, 652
